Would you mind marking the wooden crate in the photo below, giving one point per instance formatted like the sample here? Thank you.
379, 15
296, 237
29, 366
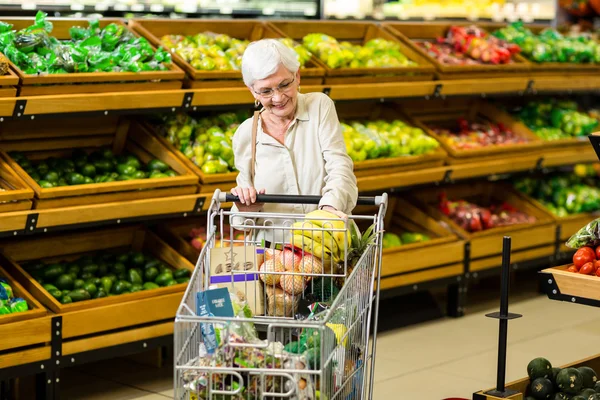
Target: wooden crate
413, 33
90, 82
8, 84
252, 30
17, 196
488, 243
359, 33
389, 112
42, 139
210, 182
26, 334
549, 69
410, 264
108, 313
520, 385
176, 235
573, 284
474, 111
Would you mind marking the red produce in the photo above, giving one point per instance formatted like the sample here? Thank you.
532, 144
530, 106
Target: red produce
598, 252
587, 269
583, 256
573, 268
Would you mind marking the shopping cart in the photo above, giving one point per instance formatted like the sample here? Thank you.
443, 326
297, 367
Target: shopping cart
299, 331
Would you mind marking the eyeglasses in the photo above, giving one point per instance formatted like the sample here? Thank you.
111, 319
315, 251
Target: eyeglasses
282, 88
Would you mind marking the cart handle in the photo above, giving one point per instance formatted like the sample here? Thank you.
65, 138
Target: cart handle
297, 199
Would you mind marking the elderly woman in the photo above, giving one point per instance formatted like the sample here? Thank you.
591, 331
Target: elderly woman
299, 147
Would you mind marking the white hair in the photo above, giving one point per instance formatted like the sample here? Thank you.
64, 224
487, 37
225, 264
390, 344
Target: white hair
262, 58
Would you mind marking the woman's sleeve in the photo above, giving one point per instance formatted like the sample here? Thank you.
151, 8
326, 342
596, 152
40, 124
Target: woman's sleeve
242, 153
340, 191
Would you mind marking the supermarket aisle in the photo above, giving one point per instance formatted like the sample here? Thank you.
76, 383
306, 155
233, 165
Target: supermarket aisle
429, 361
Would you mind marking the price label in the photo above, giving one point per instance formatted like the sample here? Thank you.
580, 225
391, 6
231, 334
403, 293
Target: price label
226, 10
120, 7
310, 11
28, 6
77, 7
268, 11
157, 8
101, 7
137, 8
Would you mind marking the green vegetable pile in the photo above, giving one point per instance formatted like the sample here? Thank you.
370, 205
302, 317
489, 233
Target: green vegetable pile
553, 120
376, 53
102, 275
563, 194
92, 49
8, 303
380, 139
206, 141
551, 383
97, 167
550, 45
391, 240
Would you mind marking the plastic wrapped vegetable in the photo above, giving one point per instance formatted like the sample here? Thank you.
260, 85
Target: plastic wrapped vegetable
589, 235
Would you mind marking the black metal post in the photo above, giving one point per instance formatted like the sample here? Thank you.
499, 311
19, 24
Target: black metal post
503, 316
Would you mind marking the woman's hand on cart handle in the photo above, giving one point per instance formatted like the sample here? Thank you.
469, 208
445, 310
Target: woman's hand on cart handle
247, 199
332, 210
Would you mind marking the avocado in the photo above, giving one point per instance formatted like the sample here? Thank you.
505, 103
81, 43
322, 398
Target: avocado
157, 175
103, 166
152, 262
121, 286
150, 286
86, 275
48, 287
182, 273
157, 165
100, 293
150, 274
123, 258
87, 180
91, 268
102, 268
135, 277
118, 268
64, 282
106, 284
53, 271
73, 269
51, 176
137, 259
163, 278
136, 288
62, 182
139, 175
57, 294
172, 282
90, 288
170, 173
541, 388
66, 299
80, 295
182, 280
133, 161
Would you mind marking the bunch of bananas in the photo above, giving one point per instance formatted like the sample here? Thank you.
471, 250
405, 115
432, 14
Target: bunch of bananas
325, 236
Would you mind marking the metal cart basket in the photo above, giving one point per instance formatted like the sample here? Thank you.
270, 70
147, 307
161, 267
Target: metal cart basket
303, 289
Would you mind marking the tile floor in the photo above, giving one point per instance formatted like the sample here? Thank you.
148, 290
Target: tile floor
432, 361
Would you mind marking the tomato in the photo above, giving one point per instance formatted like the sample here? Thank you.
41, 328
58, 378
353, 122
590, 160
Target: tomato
573, 268
598, 252
590, 250
596, 265
583, 256
587, 269
598, 272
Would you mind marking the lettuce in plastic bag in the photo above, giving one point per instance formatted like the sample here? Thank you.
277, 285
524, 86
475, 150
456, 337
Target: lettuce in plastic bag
589, 235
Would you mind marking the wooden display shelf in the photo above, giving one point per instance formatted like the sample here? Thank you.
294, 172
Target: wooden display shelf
520, 385
391, 90
488, 243
519, 256
25, 335
359, 33
560, 284
17, 195
155, 29
478, 112
176, 235
90, 82
8, 84
162, 301
441, 257
413, 33
117, 134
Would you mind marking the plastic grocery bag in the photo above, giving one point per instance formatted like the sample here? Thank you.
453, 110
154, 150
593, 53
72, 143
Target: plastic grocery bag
589, 235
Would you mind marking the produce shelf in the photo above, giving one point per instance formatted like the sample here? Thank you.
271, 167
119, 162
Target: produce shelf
560, 284
50, 220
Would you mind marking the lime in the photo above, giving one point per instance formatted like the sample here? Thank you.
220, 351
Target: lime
157, 165
157, 175
62, 182
88, 180
139, 175
125, 169
51, 176
88, 170
103, 165
107, 154
45, 184
133, 161
171, 173
125, 178
74, 178
209, 168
